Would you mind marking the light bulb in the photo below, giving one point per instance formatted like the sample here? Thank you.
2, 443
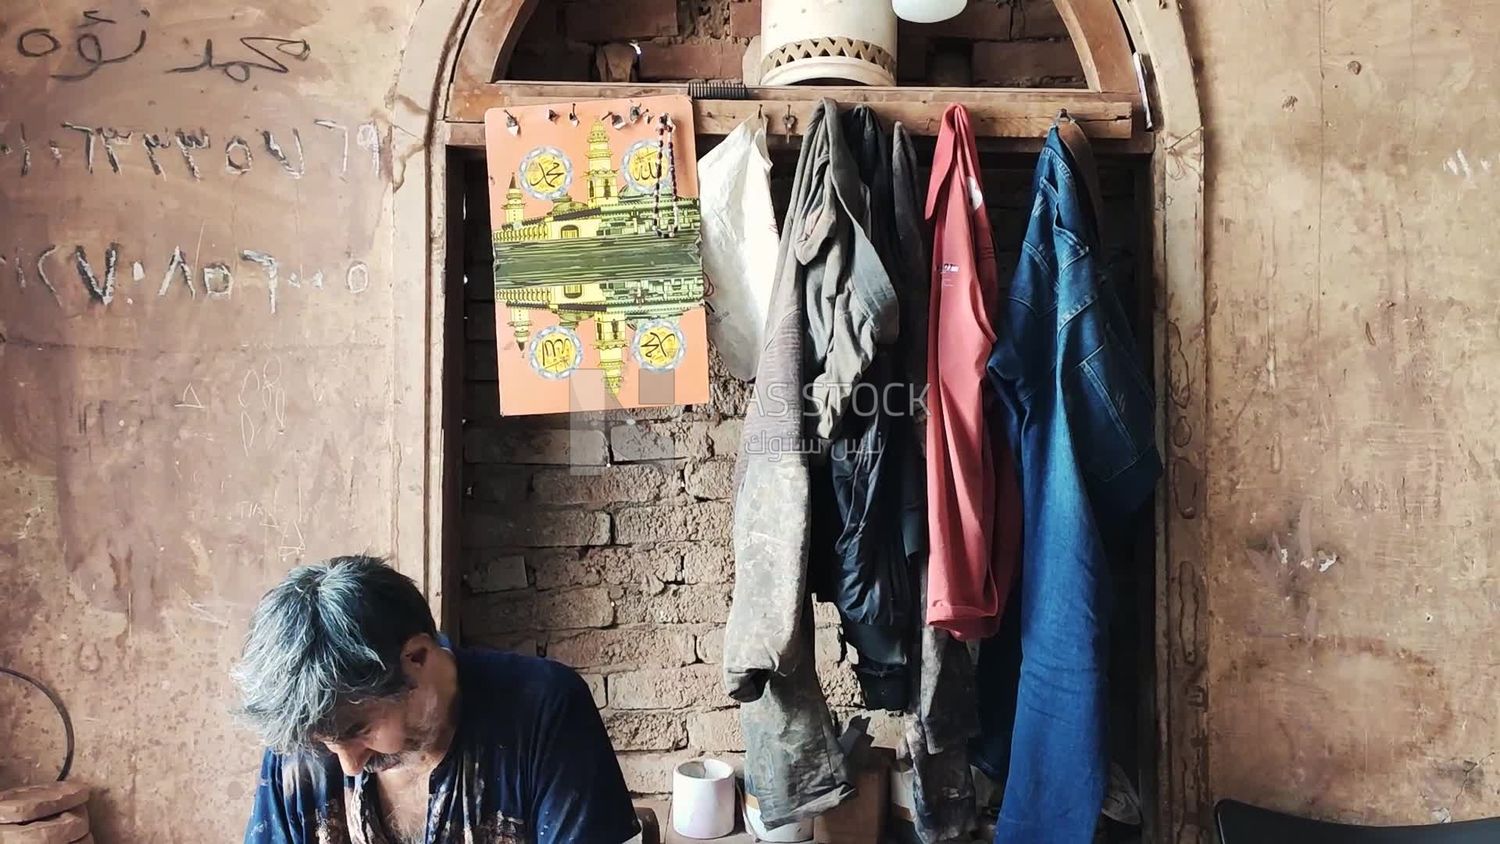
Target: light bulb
927, 11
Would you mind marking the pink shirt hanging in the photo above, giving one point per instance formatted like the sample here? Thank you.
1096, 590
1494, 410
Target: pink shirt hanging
973, 502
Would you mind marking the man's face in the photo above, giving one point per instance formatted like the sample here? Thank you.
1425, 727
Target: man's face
375, 735
372, 735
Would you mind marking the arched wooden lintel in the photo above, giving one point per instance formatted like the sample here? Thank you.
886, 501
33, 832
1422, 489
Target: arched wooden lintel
461, 45
1093, 25
1104, 108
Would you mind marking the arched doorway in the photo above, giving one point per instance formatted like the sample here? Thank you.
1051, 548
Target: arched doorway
459, 47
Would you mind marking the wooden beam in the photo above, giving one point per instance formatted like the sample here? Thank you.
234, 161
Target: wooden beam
1102, 43
470, 105
470, 136
996, 113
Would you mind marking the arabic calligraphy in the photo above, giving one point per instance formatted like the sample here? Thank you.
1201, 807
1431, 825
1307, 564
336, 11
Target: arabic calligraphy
98, 41
239, 70
40, 42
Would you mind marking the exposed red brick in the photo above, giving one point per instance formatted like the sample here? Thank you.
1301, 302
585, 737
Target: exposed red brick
1023, 63
693, 60
744, 19
597, 21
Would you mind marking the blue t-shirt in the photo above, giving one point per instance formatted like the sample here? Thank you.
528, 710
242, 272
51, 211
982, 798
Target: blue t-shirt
530, 763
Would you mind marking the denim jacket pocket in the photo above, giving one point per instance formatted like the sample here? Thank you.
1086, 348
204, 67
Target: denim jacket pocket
1110, 414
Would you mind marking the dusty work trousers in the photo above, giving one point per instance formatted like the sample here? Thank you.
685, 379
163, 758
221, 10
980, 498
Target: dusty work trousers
795, 768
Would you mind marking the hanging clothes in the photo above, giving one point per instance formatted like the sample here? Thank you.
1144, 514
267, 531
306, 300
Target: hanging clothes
794, 766
862, 543
1077, 410
851, 305
739, 244
973, 504
942, 714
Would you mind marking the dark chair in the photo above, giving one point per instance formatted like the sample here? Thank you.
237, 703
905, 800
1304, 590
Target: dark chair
1241, 823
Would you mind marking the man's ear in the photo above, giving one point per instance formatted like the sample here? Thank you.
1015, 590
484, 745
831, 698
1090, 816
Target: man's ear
417, 653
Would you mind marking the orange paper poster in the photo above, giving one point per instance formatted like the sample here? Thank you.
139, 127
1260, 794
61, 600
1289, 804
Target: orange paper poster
598, 280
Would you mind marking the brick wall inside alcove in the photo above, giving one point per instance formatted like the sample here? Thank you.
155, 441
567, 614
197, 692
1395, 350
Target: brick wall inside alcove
602, 540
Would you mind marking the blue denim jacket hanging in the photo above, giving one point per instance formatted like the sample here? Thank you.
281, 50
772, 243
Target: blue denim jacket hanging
1078, 410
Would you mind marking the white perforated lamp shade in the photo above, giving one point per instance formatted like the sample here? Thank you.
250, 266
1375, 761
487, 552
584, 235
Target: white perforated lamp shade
927, 11
822, 41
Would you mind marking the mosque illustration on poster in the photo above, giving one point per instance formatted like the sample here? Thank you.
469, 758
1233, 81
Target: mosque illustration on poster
597, 273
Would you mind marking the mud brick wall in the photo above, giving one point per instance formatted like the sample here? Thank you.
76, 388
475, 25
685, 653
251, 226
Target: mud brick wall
602, 540
1001, 42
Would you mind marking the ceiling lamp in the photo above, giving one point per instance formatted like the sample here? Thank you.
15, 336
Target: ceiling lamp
927, 11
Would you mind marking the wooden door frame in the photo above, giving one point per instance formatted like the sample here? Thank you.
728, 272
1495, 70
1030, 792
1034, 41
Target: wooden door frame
458, 43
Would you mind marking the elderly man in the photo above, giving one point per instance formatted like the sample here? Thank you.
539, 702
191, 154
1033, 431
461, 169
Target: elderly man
381, 733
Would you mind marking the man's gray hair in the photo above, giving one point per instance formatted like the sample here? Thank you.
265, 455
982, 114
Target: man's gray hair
327, 635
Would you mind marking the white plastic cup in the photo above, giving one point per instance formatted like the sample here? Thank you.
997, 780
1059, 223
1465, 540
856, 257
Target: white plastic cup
703, 799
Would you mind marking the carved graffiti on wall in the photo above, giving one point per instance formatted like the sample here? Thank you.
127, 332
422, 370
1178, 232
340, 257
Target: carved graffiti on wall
100, 274
99, 40
239, 71
285, 151
88, 45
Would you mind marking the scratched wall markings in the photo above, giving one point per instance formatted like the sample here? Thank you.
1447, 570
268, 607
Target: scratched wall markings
121, 148
99, 41
215, 279
1465, 167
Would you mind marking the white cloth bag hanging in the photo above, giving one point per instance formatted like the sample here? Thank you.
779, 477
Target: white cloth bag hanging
739, 244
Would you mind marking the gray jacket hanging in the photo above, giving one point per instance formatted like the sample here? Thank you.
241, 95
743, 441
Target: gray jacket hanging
794, 766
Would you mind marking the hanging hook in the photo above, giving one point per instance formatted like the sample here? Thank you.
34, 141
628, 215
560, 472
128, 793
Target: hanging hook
1063, 116
573, 114
512, 124
635, 113
789, 122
